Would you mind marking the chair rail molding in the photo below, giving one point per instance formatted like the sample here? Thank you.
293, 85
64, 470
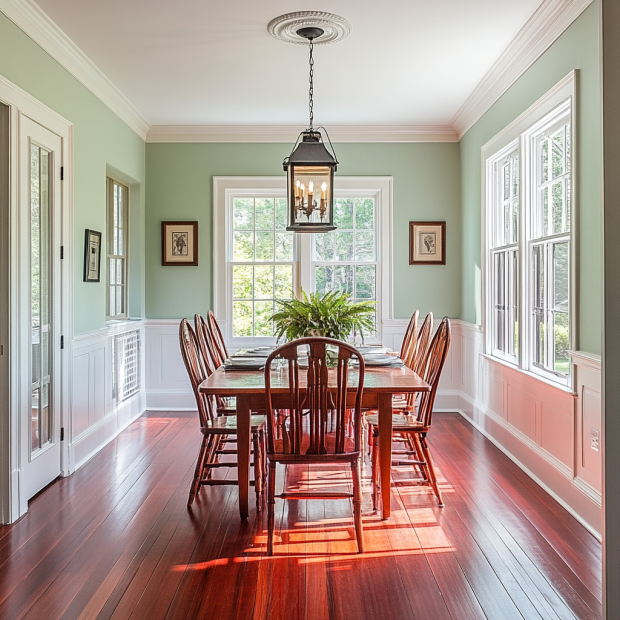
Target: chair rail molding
44, 31
549, 21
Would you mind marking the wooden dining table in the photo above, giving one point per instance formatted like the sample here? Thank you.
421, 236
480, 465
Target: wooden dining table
248, 387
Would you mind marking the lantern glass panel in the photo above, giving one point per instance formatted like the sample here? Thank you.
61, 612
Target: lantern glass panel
311, 188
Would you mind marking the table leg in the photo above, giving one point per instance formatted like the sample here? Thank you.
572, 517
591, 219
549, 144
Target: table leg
244, 432
385, 451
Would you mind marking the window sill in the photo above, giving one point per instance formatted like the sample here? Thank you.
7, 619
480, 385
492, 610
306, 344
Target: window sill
563, 388
116, 325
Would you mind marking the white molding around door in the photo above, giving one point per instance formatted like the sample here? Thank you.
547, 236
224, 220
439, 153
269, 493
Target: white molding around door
12, 503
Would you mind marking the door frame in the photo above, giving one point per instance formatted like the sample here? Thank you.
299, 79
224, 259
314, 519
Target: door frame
13, 504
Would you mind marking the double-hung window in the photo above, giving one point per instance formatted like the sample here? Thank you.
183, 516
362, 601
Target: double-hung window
528, 267
549, 243
116, 243
258, 263
504, 254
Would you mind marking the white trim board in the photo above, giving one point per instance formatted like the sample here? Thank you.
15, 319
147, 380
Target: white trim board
289, 133
43, 31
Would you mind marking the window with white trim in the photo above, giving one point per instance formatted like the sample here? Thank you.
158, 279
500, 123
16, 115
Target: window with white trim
528, 268
259, 262
117, 240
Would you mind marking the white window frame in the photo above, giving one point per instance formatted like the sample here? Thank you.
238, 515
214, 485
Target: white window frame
110, 181
225, 189
520, 134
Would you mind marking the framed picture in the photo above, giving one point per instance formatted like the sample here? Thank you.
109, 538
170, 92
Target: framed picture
92, 256
427, 243
179, 243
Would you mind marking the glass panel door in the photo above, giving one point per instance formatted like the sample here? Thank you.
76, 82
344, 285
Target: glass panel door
40, 316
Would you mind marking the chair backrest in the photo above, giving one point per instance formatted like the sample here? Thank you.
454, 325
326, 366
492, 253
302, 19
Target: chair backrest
421, 346
218, 339
196, 370
435, 359
411, 336
204, 337
309, 399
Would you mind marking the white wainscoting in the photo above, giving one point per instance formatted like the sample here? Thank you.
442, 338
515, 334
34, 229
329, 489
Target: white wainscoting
95, 417
167, 385
547, 431
536, 424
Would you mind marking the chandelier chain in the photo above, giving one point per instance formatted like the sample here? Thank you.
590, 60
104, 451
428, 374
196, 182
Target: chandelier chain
311, 101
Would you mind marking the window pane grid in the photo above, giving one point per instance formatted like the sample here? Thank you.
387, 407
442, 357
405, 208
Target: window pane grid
262, 263
116, 272
346, 259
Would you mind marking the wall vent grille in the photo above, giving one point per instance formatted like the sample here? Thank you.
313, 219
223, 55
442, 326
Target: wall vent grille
125, 366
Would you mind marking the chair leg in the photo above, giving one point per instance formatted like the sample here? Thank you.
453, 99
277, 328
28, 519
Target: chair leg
193, 490
258, 466
357, 505
431, 469
271, 501
375, 467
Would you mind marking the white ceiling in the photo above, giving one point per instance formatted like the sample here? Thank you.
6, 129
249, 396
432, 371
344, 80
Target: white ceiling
191, 62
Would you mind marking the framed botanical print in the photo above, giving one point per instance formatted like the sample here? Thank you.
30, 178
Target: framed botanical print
179, 243
92, 256
427, 243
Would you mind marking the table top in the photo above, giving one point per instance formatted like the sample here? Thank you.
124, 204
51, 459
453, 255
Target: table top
387, 380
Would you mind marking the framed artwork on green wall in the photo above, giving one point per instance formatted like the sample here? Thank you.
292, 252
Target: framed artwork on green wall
92, 256
427, 243
179, 243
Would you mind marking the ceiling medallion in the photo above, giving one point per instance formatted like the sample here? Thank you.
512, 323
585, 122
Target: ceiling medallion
286, 27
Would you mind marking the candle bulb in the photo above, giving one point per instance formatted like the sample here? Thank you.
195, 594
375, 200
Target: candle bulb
310, 192
323, 188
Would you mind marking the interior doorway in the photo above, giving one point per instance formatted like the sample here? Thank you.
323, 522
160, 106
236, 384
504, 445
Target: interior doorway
35, 298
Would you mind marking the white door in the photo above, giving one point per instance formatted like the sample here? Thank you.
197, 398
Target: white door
40, 306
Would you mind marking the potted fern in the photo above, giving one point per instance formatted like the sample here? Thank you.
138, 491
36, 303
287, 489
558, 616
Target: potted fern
332, 315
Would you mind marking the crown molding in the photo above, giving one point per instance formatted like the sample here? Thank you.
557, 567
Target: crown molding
43, 31
289, 133
549, 21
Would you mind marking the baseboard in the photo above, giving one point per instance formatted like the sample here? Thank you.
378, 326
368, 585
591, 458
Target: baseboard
170, 400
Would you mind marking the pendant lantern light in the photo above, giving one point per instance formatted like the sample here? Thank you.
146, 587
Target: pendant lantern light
310, 168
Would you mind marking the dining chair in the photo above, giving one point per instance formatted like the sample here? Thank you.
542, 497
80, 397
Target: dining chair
216, 430
306, 437
410, 339
206, 342
414, 429
414, 359
218, 340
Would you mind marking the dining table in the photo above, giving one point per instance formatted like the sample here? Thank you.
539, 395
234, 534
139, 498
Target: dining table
248, 387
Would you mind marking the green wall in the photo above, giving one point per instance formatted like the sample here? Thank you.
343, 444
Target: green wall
101, 140
577, 48
179, 185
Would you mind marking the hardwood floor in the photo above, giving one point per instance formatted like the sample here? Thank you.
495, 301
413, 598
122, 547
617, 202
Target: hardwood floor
115, 540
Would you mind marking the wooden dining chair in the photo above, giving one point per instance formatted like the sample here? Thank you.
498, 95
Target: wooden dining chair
414, 359
216, 430
206, 342
307, 437
414, 429
221, 351
410, 339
